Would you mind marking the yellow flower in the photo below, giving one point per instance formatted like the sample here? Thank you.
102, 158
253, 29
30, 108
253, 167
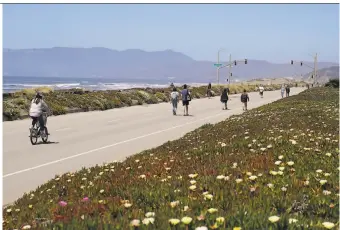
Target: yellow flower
238, 180
148, 221
174, 221
186, 220
237, 228
30, 206
192, 182
192, 187
127, 205
212, 210
274, 219
328, 225
208, 197
220, 220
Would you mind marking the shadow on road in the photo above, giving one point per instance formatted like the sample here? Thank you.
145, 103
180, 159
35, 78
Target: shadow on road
47, 143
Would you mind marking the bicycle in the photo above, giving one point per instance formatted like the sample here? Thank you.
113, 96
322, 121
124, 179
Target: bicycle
36, 132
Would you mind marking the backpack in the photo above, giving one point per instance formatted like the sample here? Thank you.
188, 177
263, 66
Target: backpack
244, 97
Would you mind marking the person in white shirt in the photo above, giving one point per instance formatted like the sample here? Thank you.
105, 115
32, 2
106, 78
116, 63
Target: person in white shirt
261, 90
283, 89
38, 106
174, 97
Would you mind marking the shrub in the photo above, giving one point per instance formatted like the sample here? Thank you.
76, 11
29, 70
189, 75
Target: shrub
333, 83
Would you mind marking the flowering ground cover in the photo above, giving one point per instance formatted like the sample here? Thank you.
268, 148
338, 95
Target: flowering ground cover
274, 167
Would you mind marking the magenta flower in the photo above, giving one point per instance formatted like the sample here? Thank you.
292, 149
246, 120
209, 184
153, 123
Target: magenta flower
85, 199
62, 203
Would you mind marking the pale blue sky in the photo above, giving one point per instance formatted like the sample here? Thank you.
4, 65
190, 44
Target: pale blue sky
272, 32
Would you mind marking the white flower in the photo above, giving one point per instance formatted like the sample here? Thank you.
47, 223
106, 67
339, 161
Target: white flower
328, 154
327, 174
186, 208
148, 221
201, 228
142, 176
192, 187
328, 225
284, 189
274, 219
27, 227
127, 205
270, 185
208, 197
249, 174
101, 191
212, 210
193, 175
234, 165
174, 203
278, 162
192, 182
174, 221
281, 157
263, 149
322, 182
238, 180
319, 171
306, 183
280, 173
149, 214
274, 173
281, 168
220, 177
135, 223
269, 146
325, 192
290, 163
186, 220
252, 177
291, 220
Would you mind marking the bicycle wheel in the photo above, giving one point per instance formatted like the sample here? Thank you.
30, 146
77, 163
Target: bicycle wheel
33, 136
44, 135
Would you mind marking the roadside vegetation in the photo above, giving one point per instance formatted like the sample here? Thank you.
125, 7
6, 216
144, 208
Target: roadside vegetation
274, 167
16, 105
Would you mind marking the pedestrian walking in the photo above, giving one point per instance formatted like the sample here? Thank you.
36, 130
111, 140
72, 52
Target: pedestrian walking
224, 98
174, 97
261, 91
244, 100
283, 90
287, 91
186, 98
209, 90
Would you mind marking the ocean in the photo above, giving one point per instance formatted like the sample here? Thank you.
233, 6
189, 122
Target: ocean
12, 84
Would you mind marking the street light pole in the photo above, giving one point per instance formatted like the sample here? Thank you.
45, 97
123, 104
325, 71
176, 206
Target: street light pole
218, 62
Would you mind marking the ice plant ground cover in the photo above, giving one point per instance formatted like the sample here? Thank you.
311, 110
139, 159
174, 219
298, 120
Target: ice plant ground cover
274, 167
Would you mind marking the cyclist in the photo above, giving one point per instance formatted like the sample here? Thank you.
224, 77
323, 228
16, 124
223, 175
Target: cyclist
38, 106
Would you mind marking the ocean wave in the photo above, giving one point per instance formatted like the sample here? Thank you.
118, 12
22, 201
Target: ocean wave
9, 87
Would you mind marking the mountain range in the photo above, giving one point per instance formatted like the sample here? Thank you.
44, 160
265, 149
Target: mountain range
137, 64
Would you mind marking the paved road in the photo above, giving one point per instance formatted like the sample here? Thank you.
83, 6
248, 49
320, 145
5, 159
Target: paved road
85, 139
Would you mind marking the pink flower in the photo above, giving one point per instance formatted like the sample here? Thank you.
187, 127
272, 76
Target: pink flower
62, 203
85, 199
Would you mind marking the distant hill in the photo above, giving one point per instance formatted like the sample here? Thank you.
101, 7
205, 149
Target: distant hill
133, 64
324, 74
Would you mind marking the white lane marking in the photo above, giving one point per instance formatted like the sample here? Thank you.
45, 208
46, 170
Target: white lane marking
63, 129
113, 120
109, 146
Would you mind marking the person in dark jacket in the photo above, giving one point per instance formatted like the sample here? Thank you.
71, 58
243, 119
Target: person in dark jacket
287, 91
224, 98
244, 99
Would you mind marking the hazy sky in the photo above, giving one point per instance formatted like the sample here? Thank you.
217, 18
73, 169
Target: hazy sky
272, 32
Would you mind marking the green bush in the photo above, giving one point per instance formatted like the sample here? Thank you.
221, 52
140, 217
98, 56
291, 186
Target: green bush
262, 169
333, 83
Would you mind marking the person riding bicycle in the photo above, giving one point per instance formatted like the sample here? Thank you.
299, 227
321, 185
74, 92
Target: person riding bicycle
38, 106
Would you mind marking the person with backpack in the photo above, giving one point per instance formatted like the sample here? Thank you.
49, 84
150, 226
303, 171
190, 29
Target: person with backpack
244, 100
224, 98
209, 91
174, 97
186, 98
287, 91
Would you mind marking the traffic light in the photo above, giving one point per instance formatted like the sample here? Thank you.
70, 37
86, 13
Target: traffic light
245, 61
291, 62
301, 63
231, 74
235, 62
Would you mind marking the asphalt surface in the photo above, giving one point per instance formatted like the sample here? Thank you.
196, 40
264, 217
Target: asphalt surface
86, 139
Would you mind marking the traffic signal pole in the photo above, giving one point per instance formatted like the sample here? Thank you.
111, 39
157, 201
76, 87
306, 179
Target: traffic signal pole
314, 68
